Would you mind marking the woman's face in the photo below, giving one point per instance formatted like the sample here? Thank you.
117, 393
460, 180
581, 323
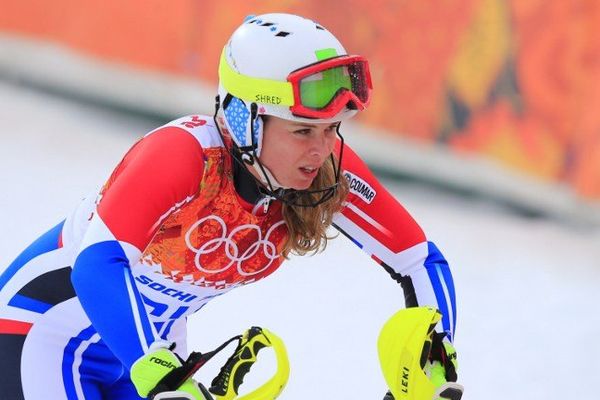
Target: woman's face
294, 151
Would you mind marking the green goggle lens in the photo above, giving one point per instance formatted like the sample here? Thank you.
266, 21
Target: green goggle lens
317, 90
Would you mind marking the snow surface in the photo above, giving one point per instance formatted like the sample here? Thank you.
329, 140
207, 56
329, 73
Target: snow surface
528, 289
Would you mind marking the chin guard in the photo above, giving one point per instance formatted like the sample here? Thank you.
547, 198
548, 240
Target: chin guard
404, 348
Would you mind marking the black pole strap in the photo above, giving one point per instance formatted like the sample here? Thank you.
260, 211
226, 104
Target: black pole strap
176, 377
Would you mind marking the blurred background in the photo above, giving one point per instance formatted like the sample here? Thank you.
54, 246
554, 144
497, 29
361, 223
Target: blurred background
489, 96
484, 123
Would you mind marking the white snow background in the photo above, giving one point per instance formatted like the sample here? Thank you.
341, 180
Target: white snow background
528, 290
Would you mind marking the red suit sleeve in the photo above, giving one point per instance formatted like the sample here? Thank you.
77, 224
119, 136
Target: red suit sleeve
376, 222
160, 172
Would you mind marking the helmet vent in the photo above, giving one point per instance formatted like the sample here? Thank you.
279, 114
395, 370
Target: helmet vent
320, 27
267, 24
282, 34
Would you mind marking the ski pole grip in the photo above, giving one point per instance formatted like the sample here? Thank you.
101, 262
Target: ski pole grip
233, 372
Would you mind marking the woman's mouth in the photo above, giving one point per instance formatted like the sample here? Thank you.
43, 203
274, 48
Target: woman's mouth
310, 172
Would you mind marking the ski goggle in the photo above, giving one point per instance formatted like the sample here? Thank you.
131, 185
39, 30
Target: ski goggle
320, 90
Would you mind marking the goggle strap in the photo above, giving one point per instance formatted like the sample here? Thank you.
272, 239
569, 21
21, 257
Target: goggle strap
249, 88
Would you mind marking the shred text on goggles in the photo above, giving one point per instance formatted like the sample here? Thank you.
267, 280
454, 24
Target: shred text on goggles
320, 90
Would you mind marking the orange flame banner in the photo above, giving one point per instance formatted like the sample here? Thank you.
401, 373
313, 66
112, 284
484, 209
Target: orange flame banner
518, 81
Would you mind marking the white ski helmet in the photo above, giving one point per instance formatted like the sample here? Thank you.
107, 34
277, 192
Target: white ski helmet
289, 67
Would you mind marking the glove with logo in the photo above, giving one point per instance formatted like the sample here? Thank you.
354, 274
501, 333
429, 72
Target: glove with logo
158, 376
442, 364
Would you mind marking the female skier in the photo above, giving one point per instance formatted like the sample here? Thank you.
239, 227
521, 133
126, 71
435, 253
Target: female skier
96, 307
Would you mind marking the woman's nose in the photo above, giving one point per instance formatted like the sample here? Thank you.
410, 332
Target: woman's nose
320, 146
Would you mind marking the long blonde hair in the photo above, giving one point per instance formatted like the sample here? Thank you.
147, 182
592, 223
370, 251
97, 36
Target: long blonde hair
307, 226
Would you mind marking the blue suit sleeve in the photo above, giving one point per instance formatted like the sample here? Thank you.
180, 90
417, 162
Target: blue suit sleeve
442, 283
106, 289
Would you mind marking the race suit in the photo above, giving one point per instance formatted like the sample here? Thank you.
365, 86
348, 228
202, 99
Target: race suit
166, 233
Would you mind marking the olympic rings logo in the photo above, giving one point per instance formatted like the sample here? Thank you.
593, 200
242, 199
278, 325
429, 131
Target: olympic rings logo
231, 249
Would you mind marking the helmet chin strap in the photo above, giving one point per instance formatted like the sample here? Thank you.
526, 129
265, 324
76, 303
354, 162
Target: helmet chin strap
248, 156
265, 176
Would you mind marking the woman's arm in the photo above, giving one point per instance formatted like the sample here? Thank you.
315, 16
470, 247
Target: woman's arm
376, 222
160, 173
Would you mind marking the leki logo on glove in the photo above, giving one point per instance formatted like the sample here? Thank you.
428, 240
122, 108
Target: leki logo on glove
231, 249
